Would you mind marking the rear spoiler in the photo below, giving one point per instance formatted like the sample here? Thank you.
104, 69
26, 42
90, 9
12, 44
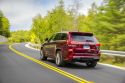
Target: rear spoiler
82, 33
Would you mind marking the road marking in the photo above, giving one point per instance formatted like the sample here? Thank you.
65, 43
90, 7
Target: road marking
64, 73
28, 46
122, 68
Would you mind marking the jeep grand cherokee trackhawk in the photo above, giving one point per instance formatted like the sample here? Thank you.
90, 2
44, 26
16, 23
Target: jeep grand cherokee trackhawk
71, 47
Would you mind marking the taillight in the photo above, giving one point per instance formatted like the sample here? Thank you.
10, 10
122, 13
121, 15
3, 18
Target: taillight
70, 50
98, 46
72, 45
68, 42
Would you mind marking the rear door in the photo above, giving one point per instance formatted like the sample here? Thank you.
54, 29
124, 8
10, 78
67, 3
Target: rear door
63, 44
47, 46
52, 44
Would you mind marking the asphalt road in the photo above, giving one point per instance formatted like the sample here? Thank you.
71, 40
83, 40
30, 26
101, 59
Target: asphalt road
17, 69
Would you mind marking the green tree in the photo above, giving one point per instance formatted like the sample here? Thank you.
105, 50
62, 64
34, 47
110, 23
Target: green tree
19, 36
56, 20
111, 20
4, 25
107, 22
1, 29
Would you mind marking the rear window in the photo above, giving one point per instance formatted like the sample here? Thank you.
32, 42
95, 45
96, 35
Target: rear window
83, 37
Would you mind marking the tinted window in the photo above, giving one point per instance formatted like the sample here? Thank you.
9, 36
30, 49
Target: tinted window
63, 36
57, 36
83, 38
51, 38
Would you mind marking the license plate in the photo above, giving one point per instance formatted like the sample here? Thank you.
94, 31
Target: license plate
86, 46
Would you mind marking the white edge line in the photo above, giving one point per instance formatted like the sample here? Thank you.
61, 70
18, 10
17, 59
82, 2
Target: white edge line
28, 46
122, 68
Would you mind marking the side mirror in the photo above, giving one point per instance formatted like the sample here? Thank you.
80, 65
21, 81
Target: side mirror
46, 39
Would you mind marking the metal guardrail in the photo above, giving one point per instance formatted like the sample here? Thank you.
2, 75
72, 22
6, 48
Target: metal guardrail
106, 52
114, 53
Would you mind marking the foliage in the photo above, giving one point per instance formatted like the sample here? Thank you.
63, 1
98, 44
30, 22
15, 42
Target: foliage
113, 60
56, 20
118, 43
111, 18
4, 25
19, 36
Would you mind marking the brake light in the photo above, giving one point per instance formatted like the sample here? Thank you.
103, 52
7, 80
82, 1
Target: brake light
70, 50
68, 42
98, 46
72, 45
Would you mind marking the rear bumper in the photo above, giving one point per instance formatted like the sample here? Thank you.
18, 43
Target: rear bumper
86, 54
83, 57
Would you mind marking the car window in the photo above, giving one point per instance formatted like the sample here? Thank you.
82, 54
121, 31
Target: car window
57, 36
51, 38
63, 36
83, 38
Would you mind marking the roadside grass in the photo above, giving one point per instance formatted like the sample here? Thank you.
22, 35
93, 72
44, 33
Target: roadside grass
4, 43
8, 43
113, 60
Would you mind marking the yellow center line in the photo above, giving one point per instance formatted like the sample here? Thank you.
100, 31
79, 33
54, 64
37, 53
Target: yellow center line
64, 73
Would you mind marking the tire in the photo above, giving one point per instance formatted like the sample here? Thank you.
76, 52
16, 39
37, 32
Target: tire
91, 63
42, 56
59, 60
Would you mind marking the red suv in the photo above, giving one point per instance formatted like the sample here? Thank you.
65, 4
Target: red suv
71, 47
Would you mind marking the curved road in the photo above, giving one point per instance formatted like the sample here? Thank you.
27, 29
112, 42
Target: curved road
17, 69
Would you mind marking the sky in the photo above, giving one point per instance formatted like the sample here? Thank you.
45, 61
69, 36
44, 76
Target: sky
21, 12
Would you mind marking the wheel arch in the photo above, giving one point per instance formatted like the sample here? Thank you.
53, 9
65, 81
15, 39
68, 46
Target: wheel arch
58, 49
41, 47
